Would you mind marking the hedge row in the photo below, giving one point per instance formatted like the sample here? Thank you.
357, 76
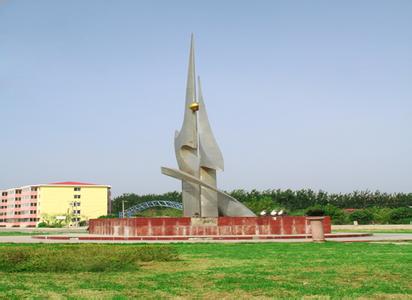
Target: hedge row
371, 215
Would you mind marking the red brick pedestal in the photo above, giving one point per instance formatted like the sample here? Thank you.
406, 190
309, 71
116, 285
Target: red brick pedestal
193, 227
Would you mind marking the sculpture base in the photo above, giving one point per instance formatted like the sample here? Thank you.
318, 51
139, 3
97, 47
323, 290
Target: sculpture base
221, 226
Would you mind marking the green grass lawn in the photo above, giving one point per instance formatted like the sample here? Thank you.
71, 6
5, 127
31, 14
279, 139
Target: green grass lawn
39, 232
20, 233
374, 230
235, 271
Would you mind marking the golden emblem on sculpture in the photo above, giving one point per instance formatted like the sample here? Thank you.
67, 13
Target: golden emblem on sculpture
194, 106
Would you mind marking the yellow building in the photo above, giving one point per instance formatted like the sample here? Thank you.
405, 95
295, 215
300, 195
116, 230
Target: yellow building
27, 206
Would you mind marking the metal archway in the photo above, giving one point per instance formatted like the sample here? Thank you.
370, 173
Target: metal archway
149, 204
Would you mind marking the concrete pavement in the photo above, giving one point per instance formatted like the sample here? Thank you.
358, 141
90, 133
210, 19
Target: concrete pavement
74, 238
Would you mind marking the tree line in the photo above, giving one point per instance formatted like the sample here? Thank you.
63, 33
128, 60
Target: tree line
288, 199
370, 207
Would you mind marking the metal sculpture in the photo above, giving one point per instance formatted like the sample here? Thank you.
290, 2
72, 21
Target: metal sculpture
199, 158
131, 211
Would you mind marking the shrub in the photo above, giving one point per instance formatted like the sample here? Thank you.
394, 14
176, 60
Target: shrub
380, 215
42, 224
83, 223
315, 211
81, 258
363, 216
110, 216
298, 212
258, 205
337, 215
401, 215
45, 225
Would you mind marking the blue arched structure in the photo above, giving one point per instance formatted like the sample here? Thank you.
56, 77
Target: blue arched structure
131, 211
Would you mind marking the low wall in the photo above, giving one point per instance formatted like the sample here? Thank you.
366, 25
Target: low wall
222, 226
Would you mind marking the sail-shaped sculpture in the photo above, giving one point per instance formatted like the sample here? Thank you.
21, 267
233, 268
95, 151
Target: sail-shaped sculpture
199, 158
186, 143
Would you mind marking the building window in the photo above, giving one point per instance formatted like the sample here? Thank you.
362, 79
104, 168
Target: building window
77, 189
34, 189
76, 212
76, 196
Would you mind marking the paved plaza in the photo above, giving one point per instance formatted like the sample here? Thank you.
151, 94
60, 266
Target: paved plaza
74, 238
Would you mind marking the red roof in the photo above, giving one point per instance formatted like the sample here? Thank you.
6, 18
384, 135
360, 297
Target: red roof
72, 183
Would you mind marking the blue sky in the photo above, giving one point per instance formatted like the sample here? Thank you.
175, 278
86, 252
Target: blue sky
300, 94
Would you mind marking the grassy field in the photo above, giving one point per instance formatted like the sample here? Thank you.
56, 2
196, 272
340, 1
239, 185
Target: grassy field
374, 230
235, 271
81, 258
41, 231
20, 233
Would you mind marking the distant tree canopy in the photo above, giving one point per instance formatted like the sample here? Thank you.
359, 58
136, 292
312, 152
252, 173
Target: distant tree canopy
288, 199
302, 199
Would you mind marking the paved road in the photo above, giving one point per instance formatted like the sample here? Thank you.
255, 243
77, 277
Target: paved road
373, 227
377, 237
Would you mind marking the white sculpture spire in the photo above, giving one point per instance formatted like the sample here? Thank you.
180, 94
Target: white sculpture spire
188, 133
186, 143
199, 157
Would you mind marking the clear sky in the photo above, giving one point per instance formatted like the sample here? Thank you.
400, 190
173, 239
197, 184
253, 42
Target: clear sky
300, 94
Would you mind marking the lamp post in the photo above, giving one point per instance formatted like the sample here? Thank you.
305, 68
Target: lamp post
123, 201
